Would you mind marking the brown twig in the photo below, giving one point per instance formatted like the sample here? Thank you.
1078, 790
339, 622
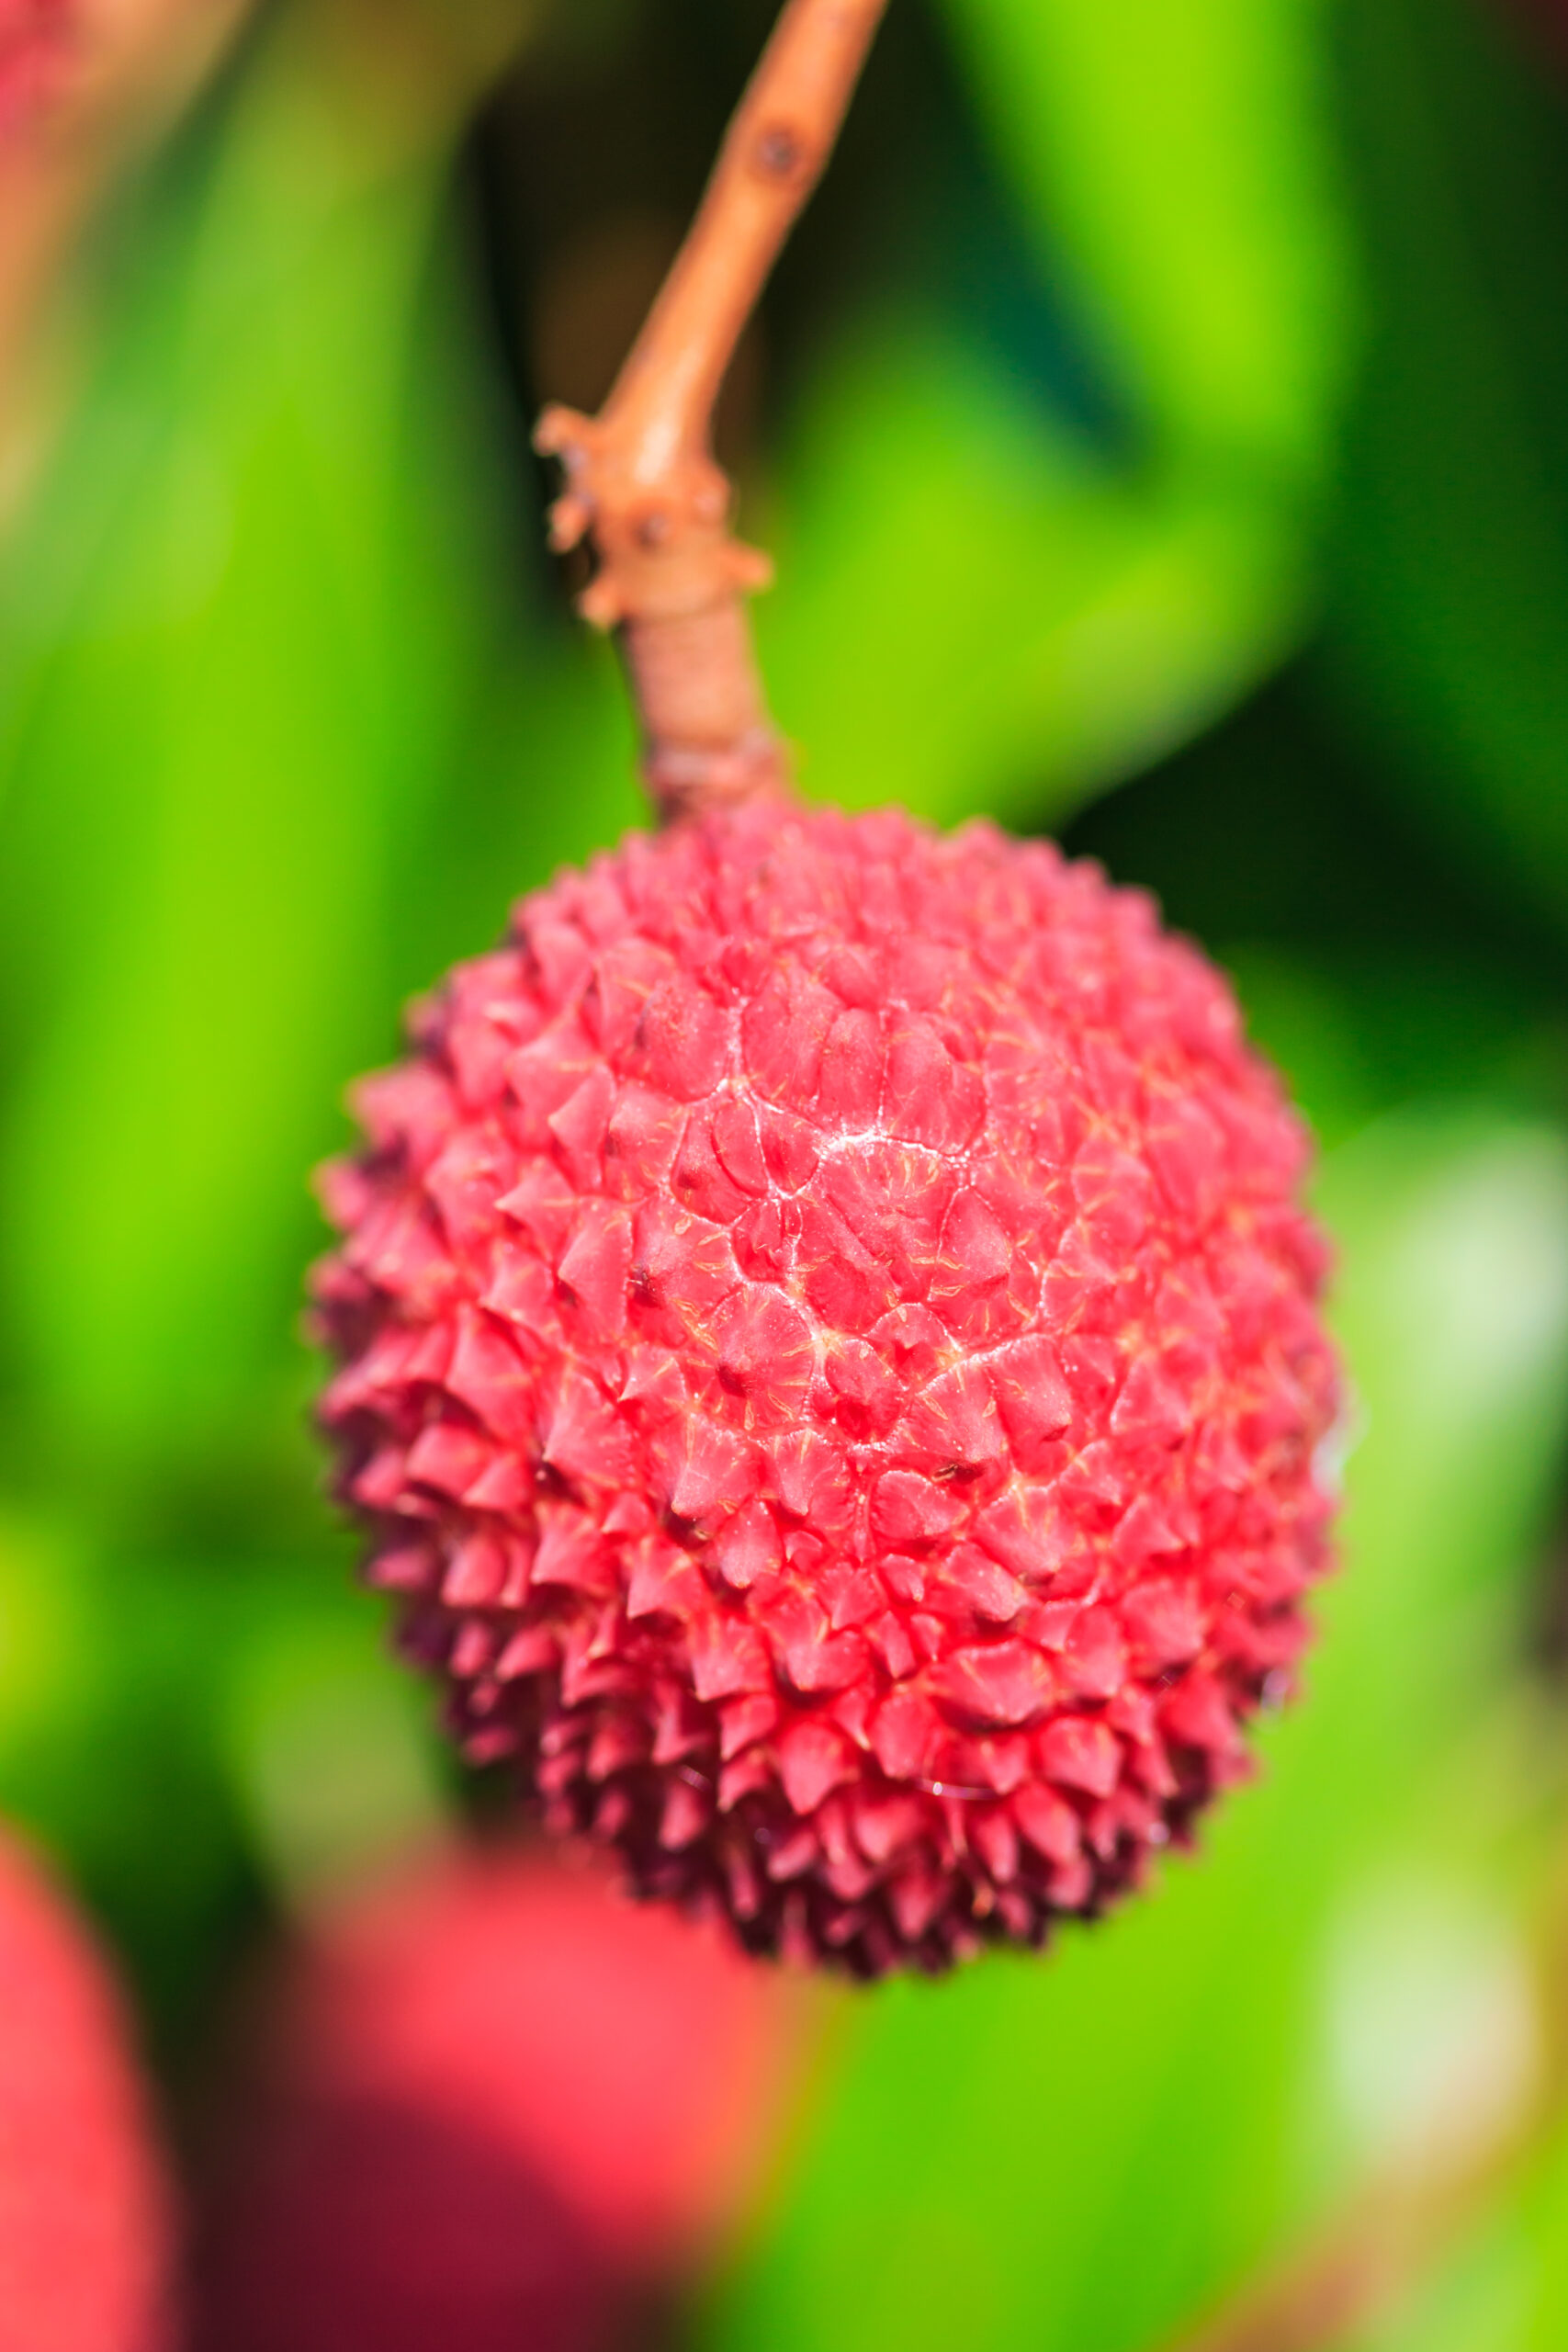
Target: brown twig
642, 486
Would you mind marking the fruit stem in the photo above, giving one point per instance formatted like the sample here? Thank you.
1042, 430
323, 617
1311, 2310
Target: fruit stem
641, 483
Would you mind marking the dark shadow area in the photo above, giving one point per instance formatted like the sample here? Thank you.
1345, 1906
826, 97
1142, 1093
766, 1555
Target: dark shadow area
352, 2223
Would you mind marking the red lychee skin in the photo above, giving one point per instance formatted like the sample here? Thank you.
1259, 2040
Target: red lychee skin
85, 2224
829, 1361
39, 42
488, 2105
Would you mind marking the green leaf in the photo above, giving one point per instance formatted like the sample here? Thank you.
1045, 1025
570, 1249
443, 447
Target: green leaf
1178, 161
976, 613
980, 604
254, 627
1451, 605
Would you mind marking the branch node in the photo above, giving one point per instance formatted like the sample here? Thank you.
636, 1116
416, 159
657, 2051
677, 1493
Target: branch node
641, 484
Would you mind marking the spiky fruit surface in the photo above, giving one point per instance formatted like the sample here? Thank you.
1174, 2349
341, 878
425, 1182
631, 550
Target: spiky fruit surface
84, 2240
830, 1357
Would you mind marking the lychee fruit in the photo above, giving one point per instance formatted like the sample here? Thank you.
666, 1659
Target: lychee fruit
488, 2104
37, 45
831, 1368
84, 2214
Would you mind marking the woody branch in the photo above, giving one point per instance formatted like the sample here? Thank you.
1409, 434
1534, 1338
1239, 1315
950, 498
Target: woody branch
641, 483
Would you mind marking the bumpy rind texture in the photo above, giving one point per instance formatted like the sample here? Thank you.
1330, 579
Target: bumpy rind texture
829, 1357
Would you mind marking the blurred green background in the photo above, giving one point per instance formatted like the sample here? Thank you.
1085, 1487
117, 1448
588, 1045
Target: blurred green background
1161, 422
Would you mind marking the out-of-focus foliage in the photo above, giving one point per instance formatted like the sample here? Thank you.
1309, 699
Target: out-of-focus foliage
1129, 355
1454, 554
216, 770
1081, 580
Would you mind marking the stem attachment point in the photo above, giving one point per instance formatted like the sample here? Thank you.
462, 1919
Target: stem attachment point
641, 484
